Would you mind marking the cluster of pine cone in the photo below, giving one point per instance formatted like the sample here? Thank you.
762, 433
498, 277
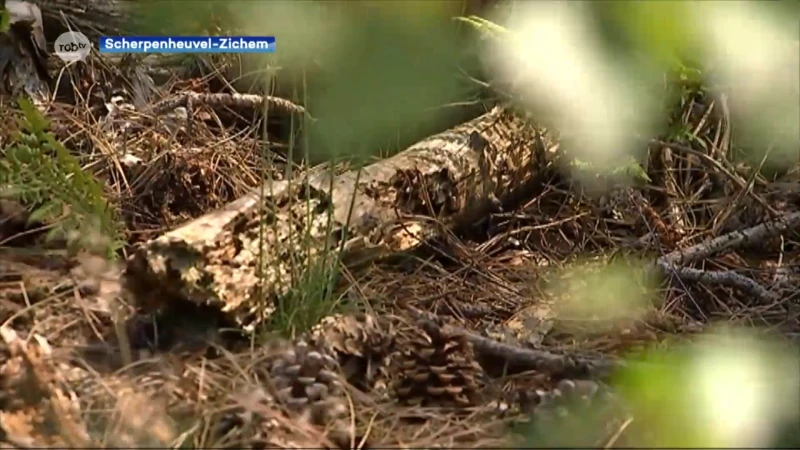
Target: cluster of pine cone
413, 364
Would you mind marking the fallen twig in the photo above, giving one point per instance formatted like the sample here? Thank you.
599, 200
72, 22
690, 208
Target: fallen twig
233, 100
672, 263
727, 278
568, 366
523, 359
734, 239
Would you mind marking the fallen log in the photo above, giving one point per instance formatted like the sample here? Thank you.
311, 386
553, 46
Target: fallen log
23, 60
34, 23
94, 18
243, 257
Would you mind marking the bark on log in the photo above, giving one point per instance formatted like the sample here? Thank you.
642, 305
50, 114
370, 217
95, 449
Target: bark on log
448, 180
94, 18
23, 61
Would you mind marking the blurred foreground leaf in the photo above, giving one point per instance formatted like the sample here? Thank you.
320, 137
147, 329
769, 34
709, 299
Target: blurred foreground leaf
5, 20
388, 76
660, 30
371, 72
601, 294
726, 390
182, 17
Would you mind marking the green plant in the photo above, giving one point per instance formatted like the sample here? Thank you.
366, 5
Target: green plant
310, 297
40, 172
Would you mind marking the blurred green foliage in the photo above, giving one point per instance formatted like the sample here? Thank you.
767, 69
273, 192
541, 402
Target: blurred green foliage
37, 170
392, 77
661, 31
379, 73
5, 20
726, 389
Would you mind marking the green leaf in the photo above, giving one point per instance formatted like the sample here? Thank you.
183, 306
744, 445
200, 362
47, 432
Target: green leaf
53, 234
34, 122
44, 213
20, 154
40, 170
635, 170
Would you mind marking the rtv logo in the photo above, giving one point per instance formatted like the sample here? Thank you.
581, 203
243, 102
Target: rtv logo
72, 46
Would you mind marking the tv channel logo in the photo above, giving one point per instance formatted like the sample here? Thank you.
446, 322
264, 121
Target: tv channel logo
72, 46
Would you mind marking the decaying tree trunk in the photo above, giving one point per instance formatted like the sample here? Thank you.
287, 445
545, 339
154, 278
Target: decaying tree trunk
94, 18
244, 256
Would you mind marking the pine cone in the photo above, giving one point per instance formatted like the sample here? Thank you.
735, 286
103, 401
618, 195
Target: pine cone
576, 413
306, 381
251, 426
360, 342
573, 397
558, 400
438, 368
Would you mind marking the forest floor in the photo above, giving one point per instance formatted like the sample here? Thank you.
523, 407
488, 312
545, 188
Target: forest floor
523, 277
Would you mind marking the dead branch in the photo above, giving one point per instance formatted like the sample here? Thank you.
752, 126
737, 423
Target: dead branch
674, 263
727, 278
567, 366
525, 359
730, 241
23, 53
235, 100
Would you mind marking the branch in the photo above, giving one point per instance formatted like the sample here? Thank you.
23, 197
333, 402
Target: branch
730, 241
672, 263
231, 100
725, 278
524, 359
